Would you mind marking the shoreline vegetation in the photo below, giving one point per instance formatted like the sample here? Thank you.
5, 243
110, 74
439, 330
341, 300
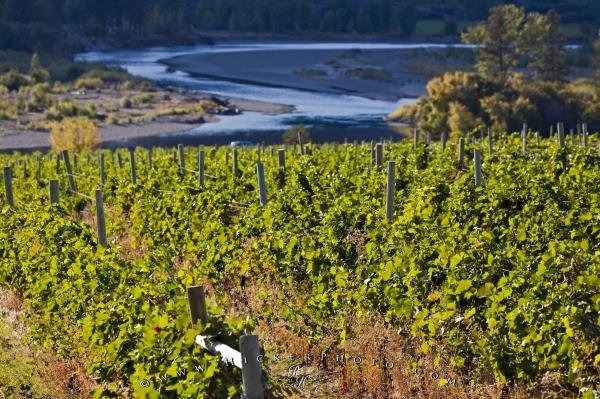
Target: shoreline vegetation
123, 107
523, 74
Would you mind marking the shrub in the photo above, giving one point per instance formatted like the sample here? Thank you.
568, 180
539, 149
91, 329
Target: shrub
89, 83
142, 98
74, 134
68, 109
39, 100
125, 102
13, 80
107, 74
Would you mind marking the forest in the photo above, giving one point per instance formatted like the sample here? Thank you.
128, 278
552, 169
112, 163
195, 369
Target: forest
64, 25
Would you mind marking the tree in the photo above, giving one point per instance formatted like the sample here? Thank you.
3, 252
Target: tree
543, 40
497, 37
37, 73
596, 60
293, 133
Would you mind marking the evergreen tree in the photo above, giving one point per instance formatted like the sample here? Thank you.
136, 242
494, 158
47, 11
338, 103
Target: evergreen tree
543, 41
496, 38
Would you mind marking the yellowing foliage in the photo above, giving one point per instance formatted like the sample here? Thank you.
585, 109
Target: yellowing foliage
74, 134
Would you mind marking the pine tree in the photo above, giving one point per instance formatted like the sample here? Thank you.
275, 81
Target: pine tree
543, 41
497, 40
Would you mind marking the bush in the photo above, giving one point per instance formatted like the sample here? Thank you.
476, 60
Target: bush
462, 100
39, 100
142, 98
125, 102
13, 80
68, 109
74, 134
107, 74
89, 83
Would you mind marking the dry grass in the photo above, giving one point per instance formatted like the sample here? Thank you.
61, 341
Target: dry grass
28, 371
369, 347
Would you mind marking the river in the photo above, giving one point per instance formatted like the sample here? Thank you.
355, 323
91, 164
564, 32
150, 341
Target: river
329, 117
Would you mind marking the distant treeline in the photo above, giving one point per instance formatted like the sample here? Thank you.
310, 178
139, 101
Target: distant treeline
50, 25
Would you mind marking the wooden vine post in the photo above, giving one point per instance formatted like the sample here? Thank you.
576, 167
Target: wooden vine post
584, 131
251, 369
39, 168
379, 155
180, 150
101, 162
234, 169
524, 140
444, 139
197, 305
8, 188
391, 185
301, 143
70, 177
416, 138
133, 166
572, 135
477, 160
120, 160
461, 153
54, 194
201, 168
281, 158
248, 358
490, 141
100, 222
561, 134
262, 188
